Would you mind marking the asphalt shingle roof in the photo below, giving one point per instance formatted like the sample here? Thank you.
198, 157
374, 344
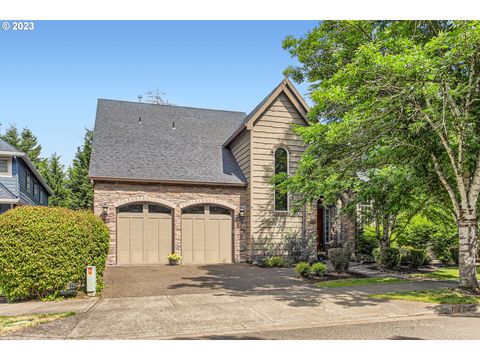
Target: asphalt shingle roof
4, 146
136, 141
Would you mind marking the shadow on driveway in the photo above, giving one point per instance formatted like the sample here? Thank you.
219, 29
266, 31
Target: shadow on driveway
237, 280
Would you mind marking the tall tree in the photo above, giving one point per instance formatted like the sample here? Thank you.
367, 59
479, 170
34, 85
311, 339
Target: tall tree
413, 86
12, 136
80, 190
55, 178
27, 142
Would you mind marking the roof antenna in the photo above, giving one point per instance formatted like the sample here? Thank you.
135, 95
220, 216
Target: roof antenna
139, 98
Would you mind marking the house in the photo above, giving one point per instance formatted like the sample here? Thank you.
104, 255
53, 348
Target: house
20, 181
198, 181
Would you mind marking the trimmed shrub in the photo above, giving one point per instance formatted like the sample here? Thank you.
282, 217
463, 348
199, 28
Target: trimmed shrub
303, 269
389, 258
340, 258
318, 269
276, 261
411, 257
45, 249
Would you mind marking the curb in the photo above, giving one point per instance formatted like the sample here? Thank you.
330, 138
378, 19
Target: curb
446, 309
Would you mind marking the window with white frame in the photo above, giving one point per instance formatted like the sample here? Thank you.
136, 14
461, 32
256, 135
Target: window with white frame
281, 167
5, 167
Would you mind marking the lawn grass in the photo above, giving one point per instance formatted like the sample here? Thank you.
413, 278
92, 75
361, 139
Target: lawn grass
438, 296
444, 273
358, 281
14, 323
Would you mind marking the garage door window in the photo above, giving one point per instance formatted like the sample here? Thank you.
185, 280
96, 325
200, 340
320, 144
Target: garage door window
132, 208
158, 209
195, 210
219, 210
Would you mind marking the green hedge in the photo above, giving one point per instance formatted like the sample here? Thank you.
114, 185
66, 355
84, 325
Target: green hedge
389, 258
411, 257
44, 249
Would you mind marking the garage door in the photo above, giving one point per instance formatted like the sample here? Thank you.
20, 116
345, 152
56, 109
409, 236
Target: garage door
144, 234
206, 235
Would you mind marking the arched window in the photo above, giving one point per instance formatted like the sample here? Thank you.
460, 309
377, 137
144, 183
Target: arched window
281, 167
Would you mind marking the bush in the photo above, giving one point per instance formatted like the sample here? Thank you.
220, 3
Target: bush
318, 269
367, 241
43, 250
411, 257
389, 258
376, 254
300, 248
340, 258
276, 261
303, 269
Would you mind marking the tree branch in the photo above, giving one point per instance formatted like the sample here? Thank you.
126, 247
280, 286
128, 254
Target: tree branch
446, 185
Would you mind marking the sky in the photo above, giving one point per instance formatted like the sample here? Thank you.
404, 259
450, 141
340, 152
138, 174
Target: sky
52, 76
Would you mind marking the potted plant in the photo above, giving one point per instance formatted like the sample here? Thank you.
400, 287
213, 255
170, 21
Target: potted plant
174, 259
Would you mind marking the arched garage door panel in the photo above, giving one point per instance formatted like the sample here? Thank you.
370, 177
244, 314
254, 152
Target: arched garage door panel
143, 236
206, 237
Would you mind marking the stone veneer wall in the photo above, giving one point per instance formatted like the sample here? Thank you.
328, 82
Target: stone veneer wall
115, 194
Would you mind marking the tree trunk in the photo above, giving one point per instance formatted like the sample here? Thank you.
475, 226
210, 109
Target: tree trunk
467, 233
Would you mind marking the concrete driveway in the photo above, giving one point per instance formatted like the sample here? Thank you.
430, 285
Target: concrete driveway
139, 281
183, 302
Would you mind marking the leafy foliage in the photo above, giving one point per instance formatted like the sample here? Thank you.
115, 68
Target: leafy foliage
55, 178
394, 97
367, 241
79, 186
389, 258
303, 269
411, 257
340, 258
26, 142
294, 248
318, 269
43, 249
276, 261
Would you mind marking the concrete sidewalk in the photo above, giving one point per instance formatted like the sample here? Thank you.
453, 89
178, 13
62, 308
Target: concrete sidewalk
193, 315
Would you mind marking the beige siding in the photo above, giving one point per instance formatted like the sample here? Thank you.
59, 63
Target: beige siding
241, 149
273, 129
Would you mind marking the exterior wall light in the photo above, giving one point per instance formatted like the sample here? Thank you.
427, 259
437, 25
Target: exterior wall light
104, 213
242, 211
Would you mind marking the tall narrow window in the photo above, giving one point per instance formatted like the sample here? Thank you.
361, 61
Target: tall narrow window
28, 182
281, 167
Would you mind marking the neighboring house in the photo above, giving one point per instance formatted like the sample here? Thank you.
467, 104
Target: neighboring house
198, 181
20, 182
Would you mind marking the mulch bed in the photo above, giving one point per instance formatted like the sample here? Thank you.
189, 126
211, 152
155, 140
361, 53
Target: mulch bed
336, 276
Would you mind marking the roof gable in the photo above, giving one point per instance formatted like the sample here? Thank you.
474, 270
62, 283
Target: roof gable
285, 87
